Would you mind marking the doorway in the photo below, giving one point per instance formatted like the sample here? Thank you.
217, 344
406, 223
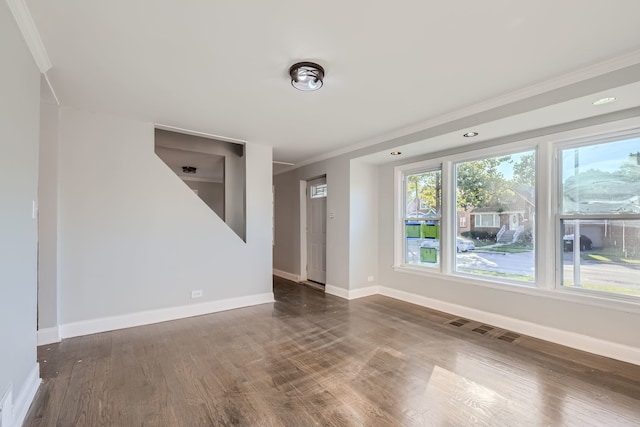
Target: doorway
316, 230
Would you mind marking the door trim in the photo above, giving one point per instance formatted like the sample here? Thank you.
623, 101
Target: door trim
303, 230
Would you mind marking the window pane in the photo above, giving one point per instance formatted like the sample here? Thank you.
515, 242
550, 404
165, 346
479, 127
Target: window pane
601, 253
602, 178
319, 190
607, 258
499, 194
422, 218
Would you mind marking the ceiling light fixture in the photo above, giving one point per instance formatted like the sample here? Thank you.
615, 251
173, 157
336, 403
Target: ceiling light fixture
189, 169
396, 153
470, 134
603, 101
306, 76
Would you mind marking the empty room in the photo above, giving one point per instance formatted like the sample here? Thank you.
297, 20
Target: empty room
347, 214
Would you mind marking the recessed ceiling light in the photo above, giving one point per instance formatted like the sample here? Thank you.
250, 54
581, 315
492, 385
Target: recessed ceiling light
603, 101
396, 153
470, 134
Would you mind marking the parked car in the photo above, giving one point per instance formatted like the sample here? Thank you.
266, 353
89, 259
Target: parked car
585, 243
462, 244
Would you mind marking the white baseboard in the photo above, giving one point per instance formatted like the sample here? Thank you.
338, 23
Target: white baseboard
94, 326
24, 399
286, 275
48, 336
334, 290
351, 294
570, 339
364, 292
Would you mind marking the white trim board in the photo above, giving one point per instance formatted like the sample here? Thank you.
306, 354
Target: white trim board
574, 340
31, 35
25, 398
287, 275
570, 339
48, 336
94, 326
353, 293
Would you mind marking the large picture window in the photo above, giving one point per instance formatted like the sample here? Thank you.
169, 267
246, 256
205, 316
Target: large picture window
422, 215
499, 193
600, 217
474, 215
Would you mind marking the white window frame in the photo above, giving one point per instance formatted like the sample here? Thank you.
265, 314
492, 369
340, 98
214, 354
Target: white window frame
315, 194
448, 221
422, 167
548, 257
495, 223
559, 216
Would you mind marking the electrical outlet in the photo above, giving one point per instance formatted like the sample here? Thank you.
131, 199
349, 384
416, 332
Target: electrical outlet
196, 294
370, 279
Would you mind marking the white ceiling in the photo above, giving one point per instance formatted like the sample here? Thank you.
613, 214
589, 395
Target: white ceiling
220, 67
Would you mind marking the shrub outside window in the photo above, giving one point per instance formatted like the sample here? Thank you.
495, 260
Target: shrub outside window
499, 192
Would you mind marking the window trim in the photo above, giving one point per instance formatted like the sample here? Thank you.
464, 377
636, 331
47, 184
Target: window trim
429, 167
547, 225
447, 226
494, 216
559, 216
313, 194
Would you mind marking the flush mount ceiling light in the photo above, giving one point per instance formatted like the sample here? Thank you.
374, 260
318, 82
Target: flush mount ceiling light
470, 134
306, 76
189, 169
603, 101
396, 153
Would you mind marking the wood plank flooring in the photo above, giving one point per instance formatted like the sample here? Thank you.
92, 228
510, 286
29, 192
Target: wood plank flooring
314, 359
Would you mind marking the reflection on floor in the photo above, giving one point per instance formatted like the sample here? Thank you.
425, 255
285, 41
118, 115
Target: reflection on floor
315, 359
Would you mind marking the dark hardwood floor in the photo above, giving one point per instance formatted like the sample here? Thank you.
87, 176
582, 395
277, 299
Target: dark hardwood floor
314, 359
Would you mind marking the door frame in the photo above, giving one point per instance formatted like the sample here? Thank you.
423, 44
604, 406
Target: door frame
302, 277
303, 231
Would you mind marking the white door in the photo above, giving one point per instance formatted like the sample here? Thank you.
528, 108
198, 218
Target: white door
317, 230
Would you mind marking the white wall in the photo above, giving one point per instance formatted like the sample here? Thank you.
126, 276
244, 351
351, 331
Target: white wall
234, 171
133, 238
212, 193
363, 225
48, 218
19, 128
286, 251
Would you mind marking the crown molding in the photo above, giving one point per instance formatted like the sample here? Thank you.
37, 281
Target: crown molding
30, 33
198, 133
586, 73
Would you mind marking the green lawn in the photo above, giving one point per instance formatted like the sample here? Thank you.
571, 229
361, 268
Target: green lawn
512, 248
607, 256
497, 274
